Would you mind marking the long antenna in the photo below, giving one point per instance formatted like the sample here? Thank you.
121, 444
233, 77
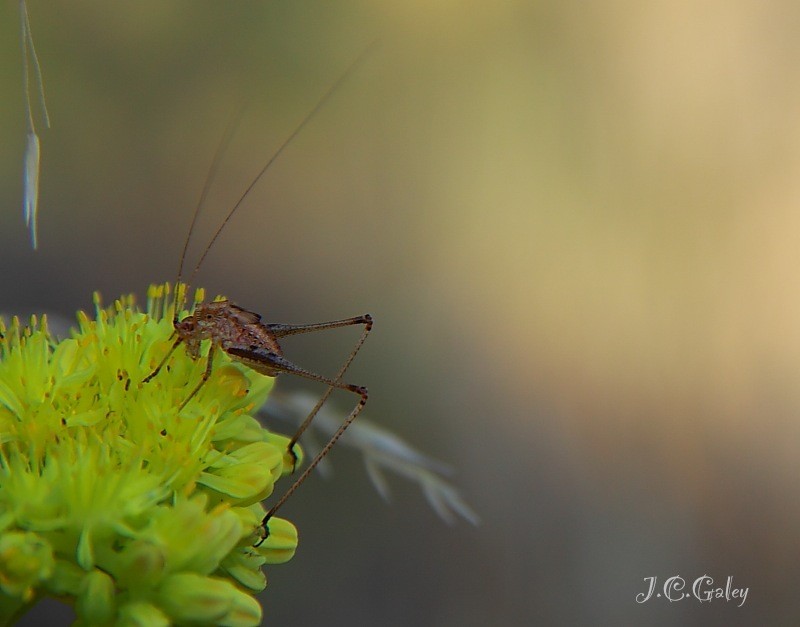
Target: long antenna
227, 135
326, 96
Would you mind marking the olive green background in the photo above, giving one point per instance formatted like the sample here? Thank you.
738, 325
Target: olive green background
577, 225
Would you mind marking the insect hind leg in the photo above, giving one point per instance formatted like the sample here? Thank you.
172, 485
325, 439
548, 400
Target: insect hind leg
281, 364
282, 330
362, 392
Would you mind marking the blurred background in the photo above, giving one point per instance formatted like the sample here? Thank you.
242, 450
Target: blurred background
576, 224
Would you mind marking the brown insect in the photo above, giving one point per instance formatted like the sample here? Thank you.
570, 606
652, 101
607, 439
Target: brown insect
245, 338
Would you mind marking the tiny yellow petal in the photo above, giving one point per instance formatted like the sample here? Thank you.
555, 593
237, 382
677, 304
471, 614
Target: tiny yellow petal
116, 497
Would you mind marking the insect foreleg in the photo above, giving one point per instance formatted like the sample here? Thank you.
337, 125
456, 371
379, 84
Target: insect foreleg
206, 375
163, 361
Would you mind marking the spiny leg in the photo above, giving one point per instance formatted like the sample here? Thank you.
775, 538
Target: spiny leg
206, 375
262, 359
362, 392
175, 345
282, 330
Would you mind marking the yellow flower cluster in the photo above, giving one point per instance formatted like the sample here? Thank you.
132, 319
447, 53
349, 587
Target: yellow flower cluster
117, 501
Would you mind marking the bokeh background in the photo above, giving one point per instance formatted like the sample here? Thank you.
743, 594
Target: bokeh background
576, 223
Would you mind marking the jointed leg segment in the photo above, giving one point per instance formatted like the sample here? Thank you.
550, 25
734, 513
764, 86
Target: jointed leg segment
335, 383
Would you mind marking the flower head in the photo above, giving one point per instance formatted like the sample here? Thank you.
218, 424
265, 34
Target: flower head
114, 496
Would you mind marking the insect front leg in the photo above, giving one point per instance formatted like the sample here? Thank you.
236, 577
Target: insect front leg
206, 375
175, 345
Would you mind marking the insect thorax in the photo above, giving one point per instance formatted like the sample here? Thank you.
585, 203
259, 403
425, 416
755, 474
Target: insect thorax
227, 325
